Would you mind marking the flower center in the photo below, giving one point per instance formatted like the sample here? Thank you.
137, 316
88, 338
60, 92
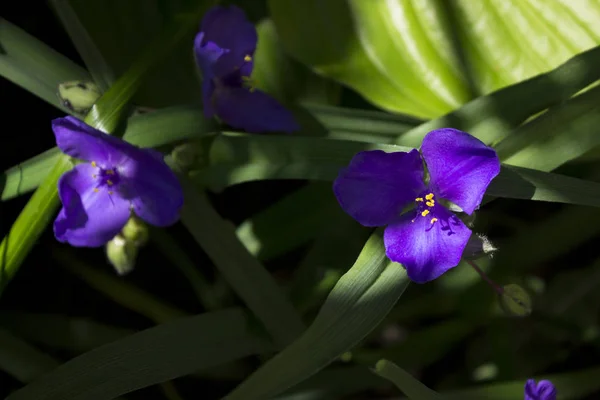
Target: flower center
108, 178
426, 206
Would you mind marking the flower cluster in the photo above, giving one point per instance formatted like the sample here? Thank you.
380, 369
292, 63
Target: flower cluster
224, 51
116, 181
428, 239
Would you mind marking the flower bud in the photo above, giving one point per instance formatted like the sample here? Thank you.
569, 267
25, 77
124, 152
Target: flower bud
187, 156
515, 301
121, 254
135, 231
78, 96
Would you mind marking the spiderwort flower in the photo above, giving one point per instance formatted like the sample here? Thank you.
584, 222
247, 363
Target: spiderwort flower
428, 240
543, 390
118, 178
224, 50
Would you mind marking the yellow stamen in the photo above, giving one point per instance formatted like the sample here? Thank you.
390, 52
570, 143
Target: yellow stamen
433, 220
248, 58
94, 164
109, 182
429, 196
96, 190
424, 213
110, 192
110, 172
430, 203
419, 199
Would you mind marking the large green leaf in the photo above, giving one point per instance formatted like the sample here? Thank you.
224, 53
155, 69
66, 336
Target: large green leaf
356, 305
415, 56
152, 356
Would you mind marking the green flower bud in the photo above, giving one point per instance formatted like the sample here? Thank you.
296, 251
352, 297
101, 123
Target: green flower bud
135, 231
187, 156
121, 254
78, 96
515, 301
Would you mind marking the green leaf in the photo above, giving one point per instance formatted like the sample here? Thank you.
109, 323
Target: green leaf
166, 352
21, 360
494, 116
404, 381
31, 64
248, 278
357, 304
400, 54
61, 332
565, 132
283, 78
235, 158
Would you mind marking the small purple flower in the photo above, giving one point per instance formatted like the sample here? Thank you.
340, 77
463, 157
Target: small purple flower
428, 240
543, 390
224, 51
117, 180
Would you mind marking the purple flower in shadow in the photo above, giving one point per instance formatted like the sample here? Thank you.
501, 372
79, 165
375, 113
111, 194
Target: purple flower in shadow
543, 390
117, 180
428, 239
224, 50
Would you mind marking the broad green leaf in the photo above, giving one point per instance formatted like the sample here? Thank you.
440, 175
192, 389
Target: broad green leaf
248, 278
494, 116
356, 305
400, 54
166, 352
284, 78
234, 158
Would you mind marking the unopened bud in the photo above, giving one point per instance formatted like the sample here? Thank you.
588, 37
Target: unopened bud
478, 246
78, 96
187, 156
135, 231
515, 300
121, 254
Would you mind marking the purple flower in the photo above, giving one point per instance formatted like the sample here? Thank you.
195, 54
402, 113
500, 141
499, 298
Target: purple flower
118, 178
224, 49
427, 240
543, 390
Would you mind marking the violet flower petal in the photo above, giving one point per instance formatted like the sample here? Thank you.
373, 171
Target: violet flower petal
426, 249
543, 390
154, 190
79, 140
460, 166
376, 185
253, 111
88, 218
229, 28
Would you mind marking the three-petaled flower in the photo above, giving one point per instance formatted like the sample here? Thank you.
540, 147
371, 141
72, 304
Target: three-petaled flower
427, 240
543, 390
118, 179
224, 51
